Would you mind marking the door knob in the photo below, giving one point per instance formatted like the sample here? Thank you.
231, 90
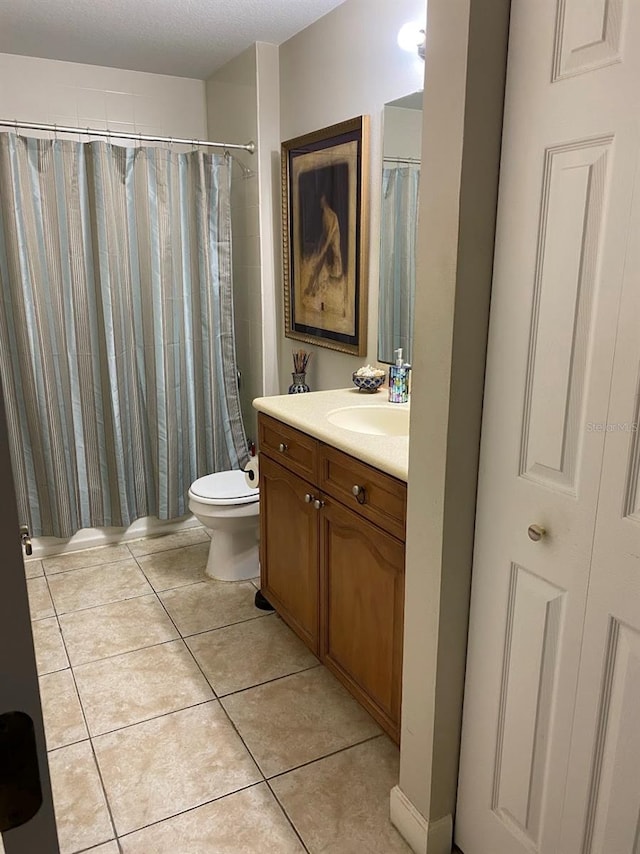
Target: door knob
283, 448
308, 498
536, 533
318, 504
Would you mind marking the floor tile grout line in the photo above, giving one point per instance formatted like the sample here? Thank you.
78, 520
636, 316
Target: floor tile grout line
38, 619
226, 626
213, 628
288, 818
157, 717
90, 566
179, 636
99, 845
64, 646
326, 756
216, 696
102, 604
206, 542
128, 652
66, 744
93, 752
269, 681
191, 809
305, 765
124, 652
167, 589
64, 572
226, 713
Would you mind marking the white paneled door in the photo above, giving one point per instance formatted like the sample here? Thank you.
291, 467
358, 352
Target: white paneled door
551, 735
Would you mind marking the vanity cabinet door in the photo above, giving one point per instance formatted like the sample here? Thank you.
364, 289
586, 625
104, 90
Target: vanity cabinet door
289, 549
362, 596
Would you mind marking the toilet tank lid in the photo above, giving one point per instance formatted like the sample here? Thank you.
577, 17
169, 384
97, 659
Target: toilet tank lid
227, 487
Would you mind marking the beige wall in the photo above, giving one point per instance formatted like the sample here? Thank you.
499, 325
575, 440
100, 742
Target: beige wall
346, 64
232, 110
402, 132
68, 93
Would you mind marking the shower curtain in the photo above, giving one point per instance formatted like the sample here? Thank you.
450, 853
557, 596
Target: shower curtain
117, 351
399, 221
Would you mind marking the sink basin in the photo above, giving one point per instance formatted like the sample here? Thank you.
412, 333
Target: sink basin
374, 420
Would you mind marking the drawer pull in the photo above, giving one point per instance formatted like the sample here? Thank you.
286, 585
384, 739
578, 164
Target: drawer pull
308, 498
283, 448
360, 493
318, 504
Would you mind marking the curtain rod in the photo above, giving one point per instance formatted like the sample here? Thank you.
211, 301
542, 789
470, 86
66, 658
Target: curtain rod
112, 134
401, 160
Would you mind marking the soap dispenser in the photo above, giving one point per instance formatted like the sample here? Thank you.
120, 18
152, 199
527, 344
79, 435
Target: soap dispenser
399, 379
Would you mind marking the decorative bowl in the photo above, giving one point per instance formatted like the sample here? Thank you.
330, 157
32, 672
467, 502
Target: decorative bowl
368, 384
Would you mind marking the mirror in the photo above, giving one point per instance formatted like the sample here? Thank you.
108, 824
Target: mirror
401, 148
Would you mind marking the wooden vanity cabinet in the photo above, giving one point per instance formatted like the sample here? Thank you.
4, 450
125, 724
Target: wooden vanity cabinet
362, 610
289, 572
332, 563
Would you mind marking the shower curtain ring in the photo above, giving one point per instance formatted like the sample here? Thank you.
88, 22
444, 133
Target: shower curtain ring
55, 131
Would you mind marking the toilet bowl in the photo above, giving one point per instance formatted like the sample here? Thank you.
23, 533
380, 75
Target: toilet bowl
229, 508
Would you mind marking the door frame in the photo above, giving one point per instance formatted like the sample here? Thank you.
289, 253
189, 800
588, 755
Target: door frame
19, 687
466, 54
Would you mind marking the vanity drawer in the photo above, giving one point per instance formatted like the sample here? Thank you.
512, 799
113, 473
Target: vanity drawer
288, 446
382, 499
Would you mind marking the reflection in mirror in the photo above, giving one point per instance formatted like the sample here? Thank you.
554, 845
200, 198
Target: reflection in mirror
398, 225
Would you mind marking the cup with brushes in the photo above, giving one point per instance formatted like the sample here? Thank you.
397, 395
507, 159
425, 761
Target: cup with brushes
299, 375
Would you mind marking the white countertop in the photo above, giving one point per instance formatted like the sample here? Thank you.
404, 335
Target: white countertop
308, 413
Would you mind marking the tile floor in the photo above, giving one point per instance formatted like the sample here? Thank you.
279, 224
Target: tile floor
182, 720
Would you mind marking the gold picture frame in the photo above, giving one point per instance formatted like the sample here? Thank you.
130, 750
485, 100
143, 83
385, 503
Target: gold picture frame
325, 236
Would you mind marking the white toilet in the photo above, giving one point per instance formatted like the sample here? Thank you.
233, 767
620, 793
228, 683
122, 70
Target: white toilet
230, 509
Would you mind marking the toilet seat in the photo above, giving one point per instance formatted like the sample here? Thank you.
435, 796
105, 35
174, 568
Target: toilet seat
224, 488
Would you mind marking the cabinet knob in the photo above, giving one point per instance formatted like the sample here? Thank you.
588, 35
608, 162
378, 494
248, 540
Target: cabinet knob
360, 493
318, 504
283, 448
308, 498
536, 533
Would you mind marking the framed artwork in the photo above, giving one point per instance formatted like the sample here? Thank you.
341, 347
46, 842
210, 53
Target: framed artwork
325, 236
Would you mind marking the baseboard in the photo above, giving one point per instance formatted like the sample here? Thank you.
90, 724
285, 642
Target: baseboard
422, 836
90, 538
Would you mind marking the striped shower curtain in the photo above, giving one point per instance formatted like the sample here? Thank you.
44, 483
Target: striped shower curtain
117, 351
399, 222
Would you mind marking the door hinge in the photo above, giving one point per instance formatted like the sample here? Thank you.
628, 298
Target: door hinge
25, 539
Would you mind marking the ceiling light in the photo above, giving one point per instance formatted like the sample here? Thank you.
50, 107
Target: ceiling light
412, 38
